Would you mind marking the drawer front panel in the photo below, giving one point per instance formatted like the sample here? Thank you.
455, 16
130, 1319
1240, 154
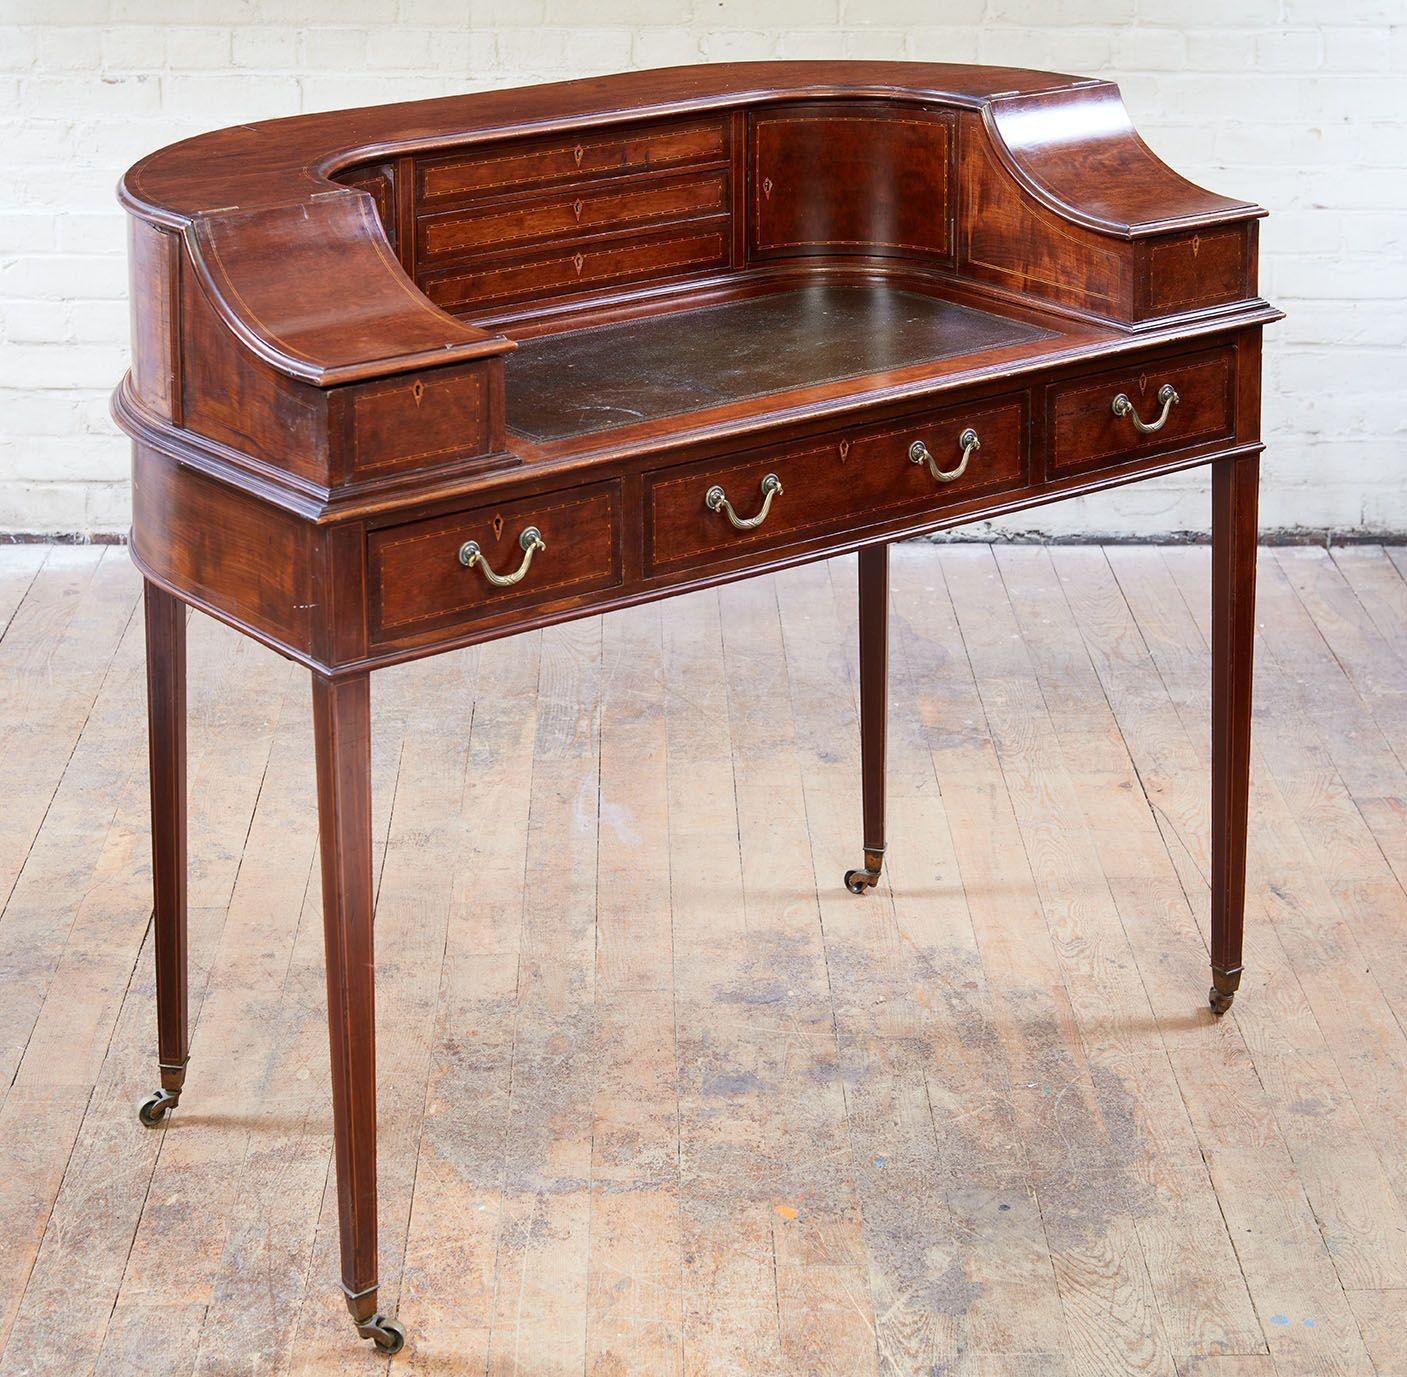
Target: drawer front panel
1087, 433
597, 210
571, 158
1194, 270
681, 249
420, 421
418, 584
859, 479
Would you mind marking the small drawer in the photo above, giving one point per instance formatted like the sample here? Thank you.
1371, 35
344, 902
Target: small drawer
421, 584
680, 249
1090, 427
594, 210
858, 479
420, 420
516, 166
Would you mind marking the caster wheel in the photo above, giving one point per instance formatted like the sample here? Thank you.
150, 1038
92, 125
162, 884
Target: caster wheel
857, 881
1219, 1000
153, 1109
387, 1335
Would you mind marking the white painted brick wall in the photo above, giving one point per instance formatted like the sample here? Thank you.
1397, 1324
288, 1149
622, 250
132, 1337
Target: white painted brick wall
1296, 103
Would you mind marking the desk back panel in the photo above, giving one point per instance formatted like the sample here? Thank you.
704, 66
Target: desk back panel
516, 229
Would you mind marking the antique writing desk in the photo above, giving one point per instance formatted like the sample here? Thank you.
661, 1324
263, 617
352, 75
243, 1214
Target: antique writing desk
413, 377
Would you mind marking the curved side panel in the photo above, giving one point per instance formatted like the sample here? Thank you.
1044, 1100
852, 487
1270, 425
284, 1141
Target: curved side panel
154, 271
236, 557
1011, 240
314, 290
1077, 153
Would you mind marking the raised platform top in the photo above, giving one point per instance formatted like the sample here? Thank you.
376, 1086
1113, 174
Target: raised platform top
302, 269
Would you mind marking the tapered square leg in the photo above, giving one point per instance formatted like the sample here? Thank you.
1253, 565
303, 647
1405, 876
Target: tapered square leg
1235, 490
342, 739
874, 704
166, 737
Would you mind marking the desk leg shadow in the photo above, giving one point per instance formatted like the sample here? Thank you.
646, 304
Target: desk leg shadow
874, 694
1235, 489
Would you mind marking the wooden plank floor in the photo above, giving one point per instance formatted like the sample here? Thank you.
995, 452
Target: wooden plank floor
657, 1096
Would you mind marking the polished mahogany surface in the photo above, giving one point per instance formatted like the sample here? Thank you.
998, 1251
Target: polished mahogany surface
663, 365
413, 377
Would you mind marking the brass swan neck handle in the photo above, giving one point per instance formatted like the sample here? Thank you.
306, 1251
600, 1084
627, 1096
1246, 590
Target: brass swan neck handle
716, 501
530, 542
970, 444
1167, 394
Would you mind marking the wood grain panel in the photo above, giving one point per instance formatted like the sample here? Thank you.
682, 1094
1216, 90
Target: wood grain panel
224, 548
379, 182
851, 178
235, 398
1007, 238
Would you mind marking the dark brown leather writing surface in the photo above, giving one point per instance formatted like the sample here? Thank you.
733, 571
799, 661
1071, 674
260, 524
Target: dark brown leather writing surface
664, 365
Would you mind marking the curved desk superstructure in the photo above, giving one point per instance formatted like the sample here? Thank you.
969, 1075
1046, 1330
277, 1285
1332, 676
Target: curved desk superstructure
411, 377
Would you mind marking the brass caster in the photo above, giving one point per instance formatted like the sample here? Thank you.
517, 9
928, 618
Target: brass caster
858, 881
387, 1335
153, 1109
1219, 1000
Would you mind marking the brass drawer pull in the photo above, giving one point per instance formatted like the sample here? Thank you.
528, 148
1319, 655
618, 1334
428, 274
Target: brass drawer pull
715, 501
1167, 394
918, 454
530, 542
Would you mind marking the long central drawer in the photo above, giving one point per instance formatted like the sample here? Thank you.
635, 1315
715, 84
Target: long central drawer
856, 478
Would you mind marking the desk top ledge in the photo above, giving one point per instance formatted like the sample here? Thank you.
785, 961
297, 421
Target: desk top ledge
276, 162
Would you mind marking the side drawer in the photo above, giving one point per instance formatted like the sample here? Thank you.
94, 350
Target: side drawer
418, 584
421, 420
508, 167
1090, 428
601, 209
858, 478
680, 249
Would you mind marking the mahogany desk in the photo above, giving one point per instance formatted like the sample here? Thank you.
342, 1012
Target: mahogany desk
413, 377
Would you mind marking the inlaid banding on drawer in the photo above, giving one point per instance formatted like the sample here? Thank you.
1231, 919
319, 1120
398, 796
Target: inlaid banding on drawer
419, 584
1086, 432
595, 210
420, 420
1200, 269
511, 167
679, 250
859, 478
